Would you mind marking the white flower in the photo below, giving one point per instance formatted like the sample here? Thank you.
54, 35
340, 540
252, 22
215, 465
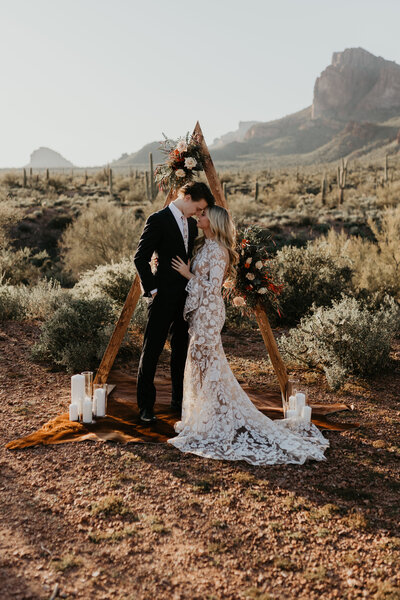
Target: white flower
248, 260
229, 284
258, 264
262, 291
250, 276
181, 146
180, 173
190, 162
238, 301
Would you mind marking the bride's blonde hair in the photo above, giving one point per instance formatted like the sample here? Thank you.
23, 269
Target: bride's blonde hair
224, 232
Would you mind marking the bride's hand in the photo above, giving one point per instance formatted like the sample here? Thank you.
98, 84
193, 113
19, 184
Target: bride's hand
184, 269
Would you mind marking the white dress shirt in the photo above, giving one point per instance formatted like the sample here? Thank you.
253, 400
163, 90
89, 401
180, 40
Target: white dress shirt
179, 218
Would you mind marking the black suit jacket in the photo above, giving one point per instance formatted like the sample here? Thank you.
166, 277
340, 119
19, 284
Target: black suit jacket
162, 235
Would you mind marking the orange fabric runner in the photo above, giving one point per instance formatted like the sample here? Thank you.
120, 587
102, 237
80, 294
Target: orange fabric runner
122, 422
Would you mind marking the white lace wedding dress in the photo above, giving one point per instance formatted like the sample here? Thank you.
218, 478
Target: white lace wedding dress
218, 418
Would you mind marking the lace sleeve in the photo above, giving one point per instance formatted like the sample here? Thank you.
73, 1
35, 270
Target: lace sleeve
207, 281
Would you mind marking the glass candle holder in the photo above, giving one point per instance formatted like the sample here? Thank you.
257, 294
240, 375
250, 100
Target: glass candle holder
88, 375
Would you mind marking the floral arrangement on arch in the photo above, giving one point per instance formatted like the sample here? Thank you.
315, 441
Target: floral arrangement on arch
254, 283
183, 159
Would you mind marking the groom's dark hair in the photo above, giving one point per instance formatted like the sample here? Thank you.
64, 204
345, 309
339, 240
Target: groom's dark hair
198, 190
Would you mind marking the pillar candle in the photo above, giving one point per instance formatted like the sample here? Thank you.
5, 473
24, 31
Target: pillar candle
100, 399
77, 388
87, 411
80, 407
291, 414
292, 402
306, 413
300, 402
73, 412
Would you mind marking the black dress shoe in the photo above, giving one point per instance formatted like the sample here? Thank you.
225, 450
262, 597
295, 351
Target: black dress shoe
147, 416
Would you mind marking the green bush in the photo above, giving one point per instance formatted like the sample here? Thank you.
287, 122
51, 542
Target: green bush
309, 276
345, 338
114, 282
22, 266
76, 335
11, 307
30, 302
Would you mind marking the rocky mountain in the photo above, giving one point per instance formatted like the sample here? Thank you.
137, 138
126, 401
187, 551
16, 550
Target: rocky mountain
357, 86
45, 158
355, 110
234, 136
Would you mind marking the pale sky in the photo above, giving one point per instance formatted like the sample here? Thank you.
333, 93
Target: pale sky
92, 79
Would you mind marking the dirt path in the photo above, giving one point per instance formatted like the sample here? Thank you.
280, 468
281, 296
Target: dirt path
106, 521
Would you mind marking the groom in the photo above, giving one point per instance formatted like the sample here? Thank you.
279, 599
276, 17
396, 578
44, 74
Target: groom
169, 233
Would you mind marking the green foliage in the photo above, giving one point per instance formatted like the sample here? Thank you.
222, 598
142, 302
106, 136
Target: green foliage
34, 302
309, 276
113, 282
77, 334
345, 338
11, 307
21, 266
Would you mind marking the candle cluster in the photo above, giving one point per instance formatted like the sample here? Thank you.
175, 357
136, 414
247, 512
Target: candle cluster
84, 404
298, 408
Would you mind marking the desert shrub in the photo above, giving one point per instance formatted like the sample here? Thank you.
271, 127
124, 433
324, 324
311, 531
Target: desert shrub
114, 282
345, 338
376, 266
243, 207
389, 195
30, 302
11, 307
77, 334
11, 180
43, 299
21, 266
9, 215
308, 276
99, 235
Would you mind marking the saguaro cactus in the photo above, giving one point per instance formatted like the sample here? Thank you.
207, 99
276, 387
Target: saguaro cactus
24, 178
110, 181
152, 182
341, 180
256, 190
323, 189
146, 177
385, 169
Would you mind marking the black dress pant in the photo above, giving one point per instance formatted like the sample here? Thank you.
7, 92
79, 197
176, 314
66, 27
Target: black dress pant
165, 315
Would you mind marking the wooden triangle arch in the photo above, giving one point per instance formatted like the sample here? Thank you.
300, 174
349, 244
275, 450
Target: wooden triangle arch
135, 292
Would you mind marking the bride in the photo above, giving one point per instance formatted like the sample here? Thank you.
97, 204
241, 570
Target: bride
218, 418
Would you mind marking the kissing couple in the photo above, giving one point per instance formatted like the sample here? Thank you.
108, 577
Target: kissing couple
218, 419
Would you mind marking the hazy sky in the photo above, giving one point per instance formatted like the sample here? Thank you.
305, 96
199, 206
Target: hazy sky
92, 79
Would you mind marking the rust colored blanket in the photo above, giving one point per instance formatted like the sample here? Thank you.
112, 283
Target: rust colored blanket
122, 422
